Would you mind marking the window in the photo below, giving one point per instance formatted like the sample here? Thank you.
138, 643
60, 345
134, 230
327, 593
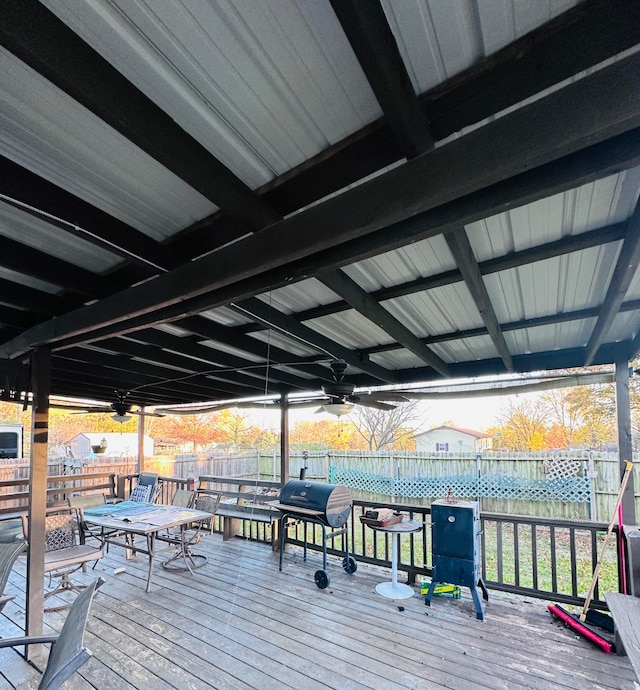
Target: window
9, 442
442, 446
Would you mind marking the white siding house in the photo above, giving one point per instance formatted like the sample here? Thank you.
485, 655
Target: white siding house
453, 439
110, 445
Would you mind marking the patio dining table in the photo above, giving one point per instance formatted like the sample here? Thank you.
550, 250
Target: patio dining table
122, 522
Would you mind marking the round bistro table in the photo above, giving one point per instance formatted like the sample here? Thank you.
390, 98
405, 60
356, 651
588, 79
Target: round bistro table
395, 589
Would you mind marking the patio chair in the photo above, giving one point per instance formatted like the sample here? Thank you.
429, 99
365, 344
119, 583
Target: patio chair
67, 653
80, 503
8, 556
63, 554
188, 535
209, 502
146, 489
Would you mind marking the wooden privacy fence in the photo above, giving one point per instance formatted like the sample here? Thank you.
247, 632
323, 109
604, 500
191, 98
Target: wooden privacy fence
576, 485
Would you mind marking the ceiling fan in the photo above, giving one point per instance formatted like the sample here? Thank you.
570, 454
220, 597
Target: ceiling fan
120, 408
340, 398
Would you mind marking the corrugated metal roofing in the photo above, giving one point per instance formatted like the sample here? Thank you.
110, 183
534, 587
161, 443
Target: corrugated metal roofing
177, 135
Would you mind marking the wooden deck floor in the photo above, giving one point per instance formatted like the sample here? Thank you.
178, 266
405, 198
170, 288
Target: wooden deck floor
238, 623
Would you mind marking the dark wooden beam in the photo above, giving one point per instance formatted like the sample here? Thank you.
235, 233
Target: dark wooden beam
582, 37
233, 383
16, 318
374, 44
550, 319
38, 301
20, 258
172, 380
257, 309
255, 371
543, 131
363, 303
84, 220
623, 274
36, 36
460, 248
209, 330
566, 245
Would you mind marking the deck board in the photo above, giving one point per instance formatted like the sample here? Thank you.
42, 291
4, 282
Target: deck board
239, 623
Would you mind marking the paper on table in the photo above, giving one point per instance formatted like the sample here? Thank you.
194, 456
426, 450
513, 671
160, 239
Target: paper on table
162, 518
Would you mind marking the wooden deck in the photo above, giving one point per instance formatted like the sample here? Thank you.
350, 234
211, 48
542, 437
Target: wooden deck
238, 623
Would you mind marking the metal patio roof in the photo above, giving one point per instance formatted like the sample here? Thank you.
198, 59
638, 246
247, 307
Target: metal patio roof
204, 200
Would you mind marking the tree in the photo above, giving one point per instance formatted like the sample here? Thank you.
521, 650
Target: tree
523, 426
384, 428
197, 429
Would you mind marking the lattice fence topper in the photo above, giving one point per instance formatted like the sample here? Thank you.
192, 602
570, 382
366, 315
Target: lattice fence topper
568, 489
558, 468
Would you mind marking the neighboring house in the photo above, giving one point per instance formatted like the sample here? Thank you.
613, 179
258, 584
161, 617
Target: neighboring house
110, 445
453, 439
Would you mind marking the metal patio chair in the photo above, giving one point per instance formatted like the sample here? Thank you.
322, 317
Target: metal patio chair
188, 535
64, 554
8, 556
68, 652
80, 503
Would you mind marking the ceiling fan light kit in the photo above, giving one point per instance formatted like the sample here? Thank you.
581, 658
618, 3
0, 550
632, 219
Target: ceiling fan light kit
122, 418
338, 409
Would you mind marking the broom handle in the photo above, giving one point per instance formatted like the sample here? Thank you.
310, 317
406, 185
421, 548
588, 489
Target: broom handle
596, 572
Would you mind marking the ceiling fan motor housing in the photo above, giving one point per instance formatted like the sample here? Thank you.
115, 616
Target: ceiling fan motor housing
338, 390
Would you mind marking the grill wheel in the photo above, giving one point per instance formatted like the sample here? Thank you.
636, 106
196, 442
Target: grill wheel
322, 579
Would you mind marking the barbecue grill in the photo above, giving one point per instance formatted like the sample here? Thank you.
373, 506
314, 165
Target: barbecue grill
326, 505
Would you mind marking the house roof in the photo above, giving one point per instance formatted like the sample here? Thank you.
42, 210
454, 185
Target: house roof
205, 201
469, 432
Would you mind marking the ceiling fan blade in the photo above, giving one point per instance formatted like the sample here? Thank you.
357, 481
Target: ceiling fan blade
381, 397
376, 405
88, 410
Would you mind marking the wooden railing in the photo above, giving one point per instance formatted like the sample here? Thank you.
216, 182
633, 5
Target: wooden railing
546, 558
14, 493
167, 486
15, 501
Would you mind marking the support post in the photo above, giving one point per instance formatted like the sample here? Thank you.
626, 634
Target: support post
284, 439
623, 408
140, 463
40, 384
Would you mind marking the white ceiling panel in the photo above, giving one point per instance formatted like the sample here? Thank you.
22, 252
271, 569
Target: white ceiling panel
567, 334
561, 284
350, 329
425, 258
262, 85
439, 38
78, 152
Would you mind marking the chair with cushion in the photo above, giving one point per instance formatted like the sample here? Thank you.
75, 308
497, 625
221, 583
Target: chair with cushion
64, 552
68, 652
146, 489
8, 556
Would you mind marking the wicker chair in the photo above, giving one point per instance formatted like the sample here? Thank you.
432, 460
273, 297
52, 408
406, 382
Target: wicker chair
64, 554
8, 556
68, 653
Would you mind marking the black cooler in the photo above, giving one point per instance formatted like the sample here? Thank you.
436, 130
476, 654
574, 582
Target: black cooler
326, 505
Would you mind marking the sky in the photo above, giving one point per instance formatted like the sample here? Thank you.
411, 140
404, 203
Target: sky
478, 413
